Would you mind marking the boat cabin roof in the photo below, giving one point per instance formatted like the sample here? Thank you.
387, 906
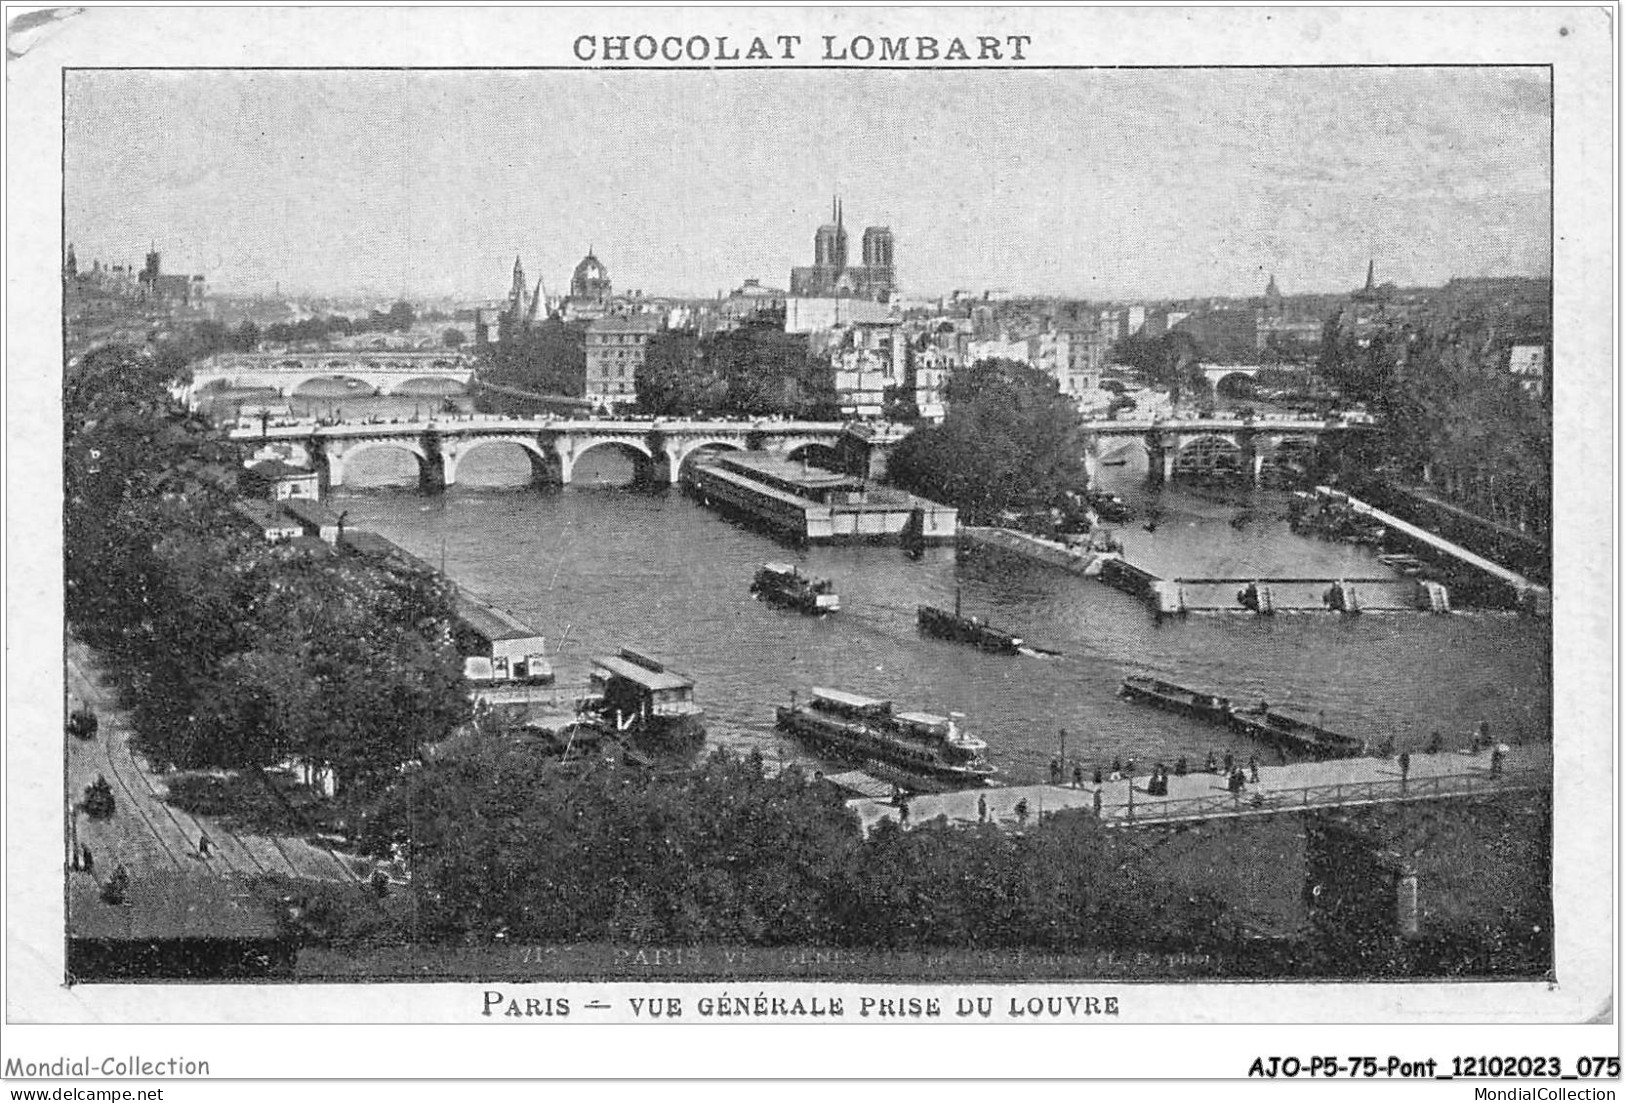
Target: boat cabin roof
779, 568
849, 700
649, 679
923, 719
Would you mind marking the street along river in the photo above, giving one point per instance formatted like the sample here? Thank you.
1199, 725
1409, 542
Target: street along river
598, 566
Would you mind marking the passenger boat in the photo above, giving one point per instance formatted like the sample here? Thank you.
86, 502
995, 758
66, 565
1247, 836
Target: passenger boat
963, 629
641, 698
917, 749
784, 584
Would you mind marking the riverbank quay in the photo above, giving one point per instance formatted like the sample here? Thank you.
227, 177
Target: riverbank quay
1531, 596
186, 909
1078, 561
1334, 783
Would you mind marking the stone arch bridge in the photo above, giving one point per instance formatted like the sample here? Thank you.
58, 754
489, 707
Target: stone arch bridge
382, 371
1242, 447
659, 449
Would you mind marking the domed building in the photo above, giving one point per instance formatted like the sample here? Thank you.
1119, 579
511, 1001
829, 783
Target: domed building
590, 283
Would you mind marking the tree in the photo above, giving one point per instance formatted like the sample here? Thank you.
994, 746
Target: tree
1010, 439
453, 338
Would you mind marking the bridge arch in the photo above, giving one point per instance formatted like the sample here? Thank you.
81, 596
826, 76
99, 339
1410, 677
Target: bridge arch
680, 453
427, 385
1208, 455
352, 384
1285, 458
1234, 384
455, 452
338, 460
571, 451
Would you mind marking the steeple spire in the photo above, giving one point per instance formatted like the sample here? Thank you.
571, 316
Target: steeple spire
1371, 274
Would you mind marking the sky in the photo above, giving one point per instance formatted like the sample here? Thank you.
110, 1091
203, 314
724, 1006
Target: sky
1099, 183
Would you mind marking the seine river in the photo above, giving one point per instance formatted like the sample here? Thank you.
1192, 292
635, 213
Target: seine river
598, 566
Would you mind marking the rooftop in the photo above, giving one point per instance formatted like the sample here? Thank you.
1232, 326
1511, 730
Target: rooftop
489, 621
648, 679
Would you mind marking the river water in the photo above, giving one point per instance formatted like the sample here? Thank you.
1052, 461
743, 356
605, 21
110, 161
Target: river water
599, 566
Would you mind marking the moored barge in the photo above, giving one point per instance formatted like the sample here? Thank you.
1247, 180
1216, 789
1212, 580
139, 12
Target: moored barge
1259, 722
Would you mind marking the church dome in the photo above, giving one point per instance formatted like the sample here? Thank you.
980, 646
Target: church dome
590, 268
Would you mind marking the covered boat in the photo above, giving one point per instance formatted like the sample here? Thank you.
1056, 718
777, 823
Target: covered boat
924, 749
640, 696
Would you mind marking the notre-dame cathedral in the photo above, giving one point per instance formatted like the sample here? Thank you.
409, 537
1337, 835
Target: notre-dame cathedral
830, 276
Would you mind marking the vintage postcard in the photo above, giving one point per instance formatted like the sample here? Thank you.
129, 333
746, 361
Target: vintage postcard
846, 517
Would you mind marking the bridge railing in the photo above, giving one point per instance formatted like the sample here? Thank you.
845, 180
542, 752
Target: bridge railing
1333, 795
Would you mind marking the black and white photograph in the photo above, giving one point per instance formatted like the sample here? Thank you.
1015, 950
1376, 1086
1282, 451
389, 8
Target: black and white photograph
712, 517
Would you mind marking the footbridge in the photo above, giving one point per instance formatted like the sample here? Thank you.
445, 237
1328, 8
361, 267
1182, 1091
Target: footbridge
658, 448
1217, 446
379, 371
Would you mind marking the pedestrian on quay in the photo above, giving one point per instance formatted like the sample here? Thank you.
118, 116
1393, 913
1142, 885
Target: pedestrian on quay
1497, 760
1404, 768
1098, 780
1182, 767
981, 809
1229, 762
1212, 766
1252, 764
203, 845
902, 811
1077, 776
1098, 801
1055, 771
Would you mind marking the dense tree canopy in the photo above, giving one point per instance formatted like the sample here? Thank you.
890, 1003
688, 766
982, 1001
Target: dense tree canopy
723, 852
1010, 439
549, 358
1451, 412
236, 652
756, 370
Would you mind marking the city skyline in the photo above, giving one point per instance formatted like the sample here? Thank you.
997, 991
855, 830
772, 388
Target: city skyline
1101, 184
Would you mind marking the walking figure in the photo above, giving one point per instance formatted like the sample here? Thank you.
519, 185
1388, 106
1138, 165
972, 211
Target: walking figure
1404, 769
1097, 804
1181, 768
1229, 762
1098, 779
1497, 757
203, 845
1252, 764
981, 809
1055, 771
902, 811
1077, 777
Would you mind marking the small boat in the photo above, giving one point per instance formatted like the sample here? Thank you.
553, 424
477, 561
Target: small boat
920, 750
963, 629
784, 584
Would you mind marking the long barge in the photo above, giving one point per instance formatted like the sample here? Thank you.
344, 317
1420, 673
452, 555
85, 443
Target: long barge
962, 629
1259, 722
